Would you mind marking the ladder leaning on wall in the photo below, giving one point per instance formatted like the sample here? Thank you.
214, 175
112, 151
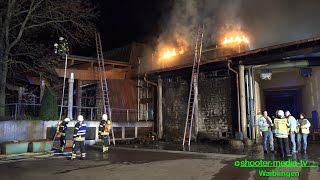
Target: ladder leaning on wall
104, 86
193, 87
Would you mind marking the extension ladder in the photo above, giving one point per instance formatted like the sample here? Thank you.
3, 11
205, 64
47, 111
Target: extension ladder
193, 88
104, 86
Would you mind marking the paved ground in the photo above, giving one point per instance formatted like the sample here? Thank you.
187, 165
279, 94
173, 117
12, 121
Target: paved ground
130, 163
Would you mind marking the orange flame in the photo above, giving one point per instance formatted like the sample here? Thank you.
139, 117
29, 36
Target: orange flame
235, 40
169, 53
173, 46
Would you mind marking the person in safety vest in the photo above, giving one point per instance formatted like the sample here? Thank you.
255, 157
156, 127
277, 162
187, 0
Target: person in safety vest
62, 128
79, 138
104, 132
281, 133
292, 124
265, 124
303, 131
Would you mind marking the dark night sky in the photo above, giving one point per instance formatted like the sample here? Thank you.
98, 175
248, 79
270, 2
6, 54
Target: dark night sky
152, 21
121, 22
124, 21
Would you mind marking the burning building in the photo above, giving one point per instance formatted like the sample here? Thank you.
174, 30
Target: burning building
149, 91
235, 84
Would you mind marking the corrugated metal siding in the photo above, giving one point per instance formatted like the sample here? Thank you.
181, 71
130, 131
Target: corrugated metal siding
123, 93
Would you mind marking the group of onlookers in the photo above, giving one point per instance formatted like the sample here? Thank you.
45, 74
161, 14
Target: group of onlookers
281, 127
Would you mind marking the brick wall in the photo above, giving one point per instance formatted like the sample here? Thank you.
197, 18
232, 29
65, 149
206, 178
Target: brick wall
215, 111
175, 98
215, 105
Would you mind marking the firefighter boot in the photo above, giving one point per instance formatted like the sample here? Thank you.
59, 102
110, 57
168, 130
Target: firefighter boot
83, 156
105, 149
73, 156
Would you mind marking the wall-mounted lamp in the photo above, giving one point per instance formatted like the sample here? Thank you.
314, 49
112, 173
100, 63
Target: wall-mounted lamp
266, 74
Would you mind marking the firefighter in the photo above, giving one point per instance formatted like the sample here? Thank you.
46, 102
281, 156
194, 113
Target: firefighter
79, 138
104, 132
62, 128
281, 133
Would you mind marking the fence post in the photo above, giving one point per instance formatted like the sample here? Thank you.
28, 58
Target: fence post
136, 131
15, 112
127, 115
123, 132
91, 113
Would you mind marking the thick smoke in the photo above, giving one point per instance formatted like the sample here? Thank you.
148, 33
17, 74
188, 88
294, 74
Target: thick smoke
264, 22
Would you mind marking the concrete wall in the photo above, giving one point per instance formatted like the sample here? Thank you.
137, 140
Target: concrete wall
25, 130
284, 79
311, 93
215, 115
21, 130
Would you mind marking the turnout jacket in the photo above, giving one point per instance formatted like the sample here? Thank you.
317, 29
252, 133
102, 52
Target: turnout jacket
80, 131
104, 128
62, 128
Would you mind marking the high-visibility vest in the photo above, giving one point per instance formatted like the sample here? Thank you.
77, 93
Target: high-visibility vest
281, 128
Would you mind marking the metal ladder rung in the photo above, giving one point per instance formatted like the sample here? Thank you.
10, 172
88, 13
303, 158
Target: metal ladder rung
193, 83
104, 87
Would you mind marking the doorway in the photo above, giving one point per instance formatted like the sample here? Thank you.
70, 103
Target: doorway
283, 99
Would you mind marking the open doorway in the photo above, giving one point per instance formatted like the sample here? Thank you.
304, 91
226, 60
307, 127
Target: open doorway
283, 99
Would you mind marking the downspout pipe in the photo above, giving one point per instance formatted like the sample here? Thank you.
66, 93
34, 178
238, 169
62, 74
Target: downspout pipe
145, 79
238, 95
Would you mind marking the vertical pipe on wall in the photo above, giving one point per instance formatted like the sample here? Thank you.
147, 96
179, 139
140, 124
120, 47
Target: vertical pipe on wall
243, 101
70, 96
160, 121
238, 95
147, 105
251, 110
254, 106
138, 99
247, 89
79, 96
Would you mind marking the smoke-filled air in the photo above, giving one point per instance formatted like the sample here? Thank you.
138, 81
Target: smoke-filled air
258, 22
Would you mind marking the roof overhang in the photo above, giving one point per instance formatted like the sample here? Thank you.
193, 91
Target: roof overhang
307, 49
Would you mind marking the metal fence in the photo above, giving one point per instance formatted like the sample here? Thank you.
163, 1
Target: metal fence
32, 111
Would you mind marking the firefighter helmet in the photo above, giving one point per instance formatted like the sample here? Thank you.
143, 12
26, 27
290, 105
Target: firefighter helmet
280, 114
66, 120
105, 117
80, 118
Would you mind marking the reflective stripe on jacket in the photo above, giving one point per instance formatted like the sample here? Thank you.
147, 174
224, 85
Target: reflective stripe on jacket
281, 128
304, 126
63, 128
80, 131
263, 123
